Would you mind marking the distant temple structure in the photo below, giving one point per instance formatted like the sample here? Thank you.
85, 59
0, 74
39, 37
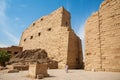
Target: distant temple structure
54, 34
13, 50
102, 38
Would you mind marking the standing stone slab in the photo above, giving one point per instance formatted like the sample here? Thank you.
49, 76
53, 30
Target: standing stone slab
36, 69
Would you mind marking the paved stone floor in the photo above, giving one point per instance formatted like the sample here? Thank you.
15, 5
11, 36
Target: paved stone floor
59, 74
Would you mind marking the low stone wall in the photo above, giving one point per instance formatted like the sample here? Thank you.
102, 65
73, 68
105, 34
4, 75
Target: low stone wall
52, 65
13, 50
19, 67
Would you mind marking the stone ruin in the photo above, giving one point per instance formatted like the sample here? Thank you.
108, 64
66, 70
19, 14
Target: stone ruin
102, 38
37, 70
22, 60
54, 34
13, 50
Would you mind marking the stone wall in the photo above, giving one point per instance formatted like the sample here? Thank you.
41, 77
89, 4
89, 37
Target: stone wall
74, 59
53, 33
102, 38
13, 50
18, 67
92, 44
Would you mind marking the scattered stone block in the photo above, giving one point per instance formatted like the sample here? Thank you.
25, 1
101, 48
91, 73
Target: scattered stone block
3, 68
36, 70
19, 67
40, 76
13, 71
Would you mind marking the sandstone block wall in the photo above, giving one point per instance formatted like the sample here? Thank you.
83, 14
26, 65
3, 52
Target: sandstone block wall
92, 44
74, 59
102, 38
54, 34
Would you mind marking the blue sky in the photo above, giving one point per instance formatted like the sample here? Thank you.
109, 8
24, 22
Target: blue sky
17, 15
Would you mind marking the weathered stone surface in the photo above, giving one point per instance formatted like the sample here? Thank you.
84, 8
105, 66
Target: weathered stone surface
18, 67
54, 34
102, 38
22, 60
13, 71
3, 68
40, 76
38, 69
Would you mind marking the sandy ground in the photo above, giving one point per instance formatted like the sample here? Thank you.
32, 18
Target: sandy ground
58, 74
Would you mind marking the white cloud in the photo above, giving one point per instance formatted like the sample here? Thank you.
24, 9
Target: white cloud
2, 6
3, 16
81, 31
81, 34
3, 45
12, 38
17, 19
5, 26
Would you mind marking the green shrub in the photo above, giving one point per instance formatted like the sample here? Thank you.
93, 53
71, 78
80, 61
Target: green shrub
4, 57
